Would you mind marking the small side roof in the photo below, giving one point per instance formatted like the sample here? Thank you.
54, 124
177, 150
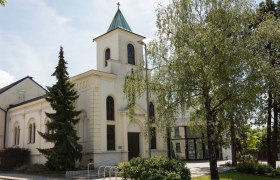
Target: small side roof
4, 89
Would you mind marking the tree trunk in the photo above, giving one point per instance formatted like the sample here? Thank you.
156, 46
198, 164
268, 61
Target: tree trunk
233, 142
275, 133
211, 138
268, 137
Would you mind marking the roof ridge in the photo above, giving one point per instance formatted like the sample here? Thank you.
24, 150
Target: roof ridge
5, 88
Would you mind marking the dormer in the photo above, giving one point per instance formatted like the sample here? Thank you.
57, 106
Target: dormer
117, 49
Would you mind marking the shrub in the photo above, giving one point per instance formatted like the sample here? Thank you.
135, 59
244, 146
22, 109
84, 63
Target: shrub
13, 157
246, 167
32, 168
276, 172
263, 168
248, 159
154, 168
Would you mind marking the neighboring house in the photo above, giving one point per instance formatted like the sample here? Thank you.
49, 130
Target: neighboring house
20, 91
106, 133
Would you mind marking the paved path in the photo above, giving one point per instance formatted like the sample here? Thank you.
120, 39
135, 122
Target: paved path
197, 168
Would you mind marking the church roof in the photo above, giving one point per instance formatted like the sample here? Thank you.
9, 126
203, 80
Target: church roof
119, 22
4, 89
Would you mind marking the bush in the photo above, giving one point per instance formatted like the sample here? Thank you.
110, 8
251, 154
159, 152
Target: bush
246, 167
32, 168
13, 157
263, 168
248, 159
154, 168
276, 172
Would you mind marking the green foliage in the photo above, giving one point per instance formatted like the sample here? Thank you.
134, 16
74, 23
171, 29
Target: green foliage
155, 168
236, 176
13, 157
250, 140
247, 167
276, 172
32, 168
263, 168
3, 2
61, 132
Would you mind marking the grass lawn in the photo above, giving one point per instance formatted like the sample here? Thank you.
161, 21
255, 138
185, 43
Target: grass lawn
236, 176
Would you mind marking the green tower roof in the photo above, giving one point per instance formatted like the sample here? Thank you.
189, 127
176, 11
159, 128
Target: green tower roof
119, 22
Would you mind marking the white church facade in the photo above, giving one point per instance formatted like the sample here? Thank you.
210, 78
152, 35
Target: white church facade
106, 133
105, 130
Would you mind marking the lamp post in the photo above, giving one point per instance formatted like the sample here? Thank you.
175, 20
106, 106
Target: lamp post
147, 97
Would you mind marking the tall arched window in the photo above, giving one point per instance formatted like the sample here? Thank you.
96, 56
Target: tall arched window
16, 134
110, 107
130, 54
107, 56
31, 132
152, 112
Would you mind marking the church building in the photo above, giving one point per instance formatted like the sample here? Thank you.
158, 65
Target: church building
107, 134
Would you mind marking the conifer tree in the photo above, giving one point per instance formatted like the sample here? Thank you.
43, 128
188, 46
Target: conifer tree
60, 130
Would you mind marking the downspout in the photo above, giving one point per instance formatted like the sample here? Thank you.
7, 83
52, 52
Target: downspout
5, 128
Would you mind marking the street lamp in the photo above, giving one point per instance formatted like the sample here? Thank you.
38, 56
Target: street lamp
147, 98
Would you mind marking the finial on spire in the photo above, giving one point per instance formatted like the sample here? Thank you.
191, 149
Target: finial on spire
118, 5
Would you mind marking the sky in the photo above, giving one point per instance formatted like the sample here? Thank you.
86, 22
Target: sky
32, 31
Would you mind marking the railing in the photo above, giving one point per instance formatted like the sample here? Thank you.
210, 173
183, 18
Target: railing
108, 169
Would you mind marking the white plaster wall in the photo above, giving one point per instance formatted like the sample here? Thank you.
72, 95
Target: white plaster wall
227, 153
22, 115
11, 97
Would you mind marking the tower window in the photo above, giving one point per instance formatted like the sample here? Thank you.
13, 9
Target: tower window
152, 112
153, 138
107, 56
111, 137
110, 107
130, 54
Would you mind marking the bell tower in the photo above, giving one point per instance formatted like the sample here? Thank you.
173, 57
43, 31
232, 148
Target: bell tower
117, 50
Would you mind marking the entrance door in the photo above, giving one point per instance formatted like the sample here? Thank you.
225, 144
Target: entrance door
133, 145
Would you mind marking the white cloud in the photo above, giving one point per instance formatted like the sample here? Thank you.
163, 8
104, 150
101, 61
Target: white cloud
5, 78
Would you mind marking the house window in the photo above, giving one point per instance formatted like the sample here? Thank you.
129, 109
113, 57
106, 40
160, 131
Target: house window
111, 137
178, 147
153, 138
130, 54
110, 108
177, 132
16, 134
31, 133
107, 56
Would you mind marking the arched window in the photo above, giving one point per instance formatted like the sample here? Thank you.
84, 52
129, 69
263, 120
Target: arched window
152, 112
130, 54
110, 107
107, 56
48, 130
31, 132
16, 134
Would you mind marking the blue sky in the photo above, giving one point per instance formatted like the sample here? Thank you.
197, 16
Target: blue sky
31, 32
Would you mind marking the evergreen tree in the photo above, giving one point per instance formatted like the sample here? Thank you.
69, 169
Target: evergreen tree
60, 130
